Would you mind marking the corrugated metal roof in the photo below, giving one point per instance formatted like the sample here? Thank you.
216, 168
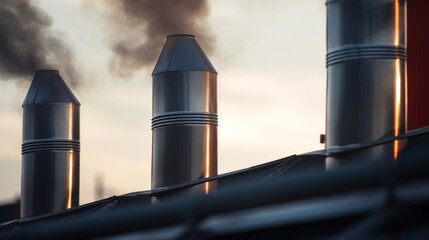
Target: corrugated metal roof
293, 197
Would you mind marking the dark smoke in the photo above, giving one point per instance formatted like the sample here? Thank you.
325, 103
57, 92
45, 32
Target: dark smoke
142, 26
27, 44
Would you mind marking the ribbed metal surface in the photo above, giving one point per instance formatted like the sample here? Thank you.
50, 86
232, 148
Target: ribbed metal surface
366, 74
184, 123
365, 52
183, 118
51, 146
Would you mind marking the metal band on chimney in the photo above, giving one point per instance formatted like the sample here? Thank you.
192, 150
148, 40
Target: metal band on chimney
184, 118
365, 52
50, 145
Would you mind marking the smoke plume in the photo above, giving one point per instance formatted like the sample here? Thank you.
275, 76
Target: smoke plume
27, 43
142, 25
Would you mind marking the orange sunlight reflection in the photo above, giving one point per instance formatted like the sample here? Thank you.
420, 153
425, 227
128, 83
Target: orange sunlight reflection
208, 149
70, 187
396, 40
207, 170
397, 85
397, 106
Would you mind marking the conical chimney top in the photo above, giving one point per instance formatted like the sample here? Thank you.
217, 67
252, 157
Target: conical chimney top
181, 52
49, 87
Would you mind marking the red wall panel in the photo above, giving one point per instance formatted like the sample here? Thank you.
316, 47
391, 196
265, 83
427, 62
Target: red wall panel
418, 63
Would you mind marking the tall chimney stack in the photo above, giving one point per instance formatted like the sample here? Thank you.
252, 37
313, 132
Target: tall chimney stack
184, 123
51, 146
366, 75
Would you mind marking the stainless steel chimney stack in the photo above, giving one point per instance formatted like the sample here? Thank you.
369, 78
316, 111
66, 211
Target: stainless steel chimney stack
184, 123
51, 145
366, 75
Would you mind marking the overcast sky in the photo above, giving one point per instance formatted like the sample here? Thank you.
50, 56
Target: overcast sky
270, 56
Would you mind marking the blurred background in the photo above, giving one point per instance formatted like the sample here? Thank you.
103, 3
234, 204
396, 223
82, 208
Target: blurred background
271, 88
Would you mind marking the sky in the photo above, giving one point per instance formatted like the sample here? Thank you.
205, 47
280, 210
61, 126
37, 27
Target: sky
270, 57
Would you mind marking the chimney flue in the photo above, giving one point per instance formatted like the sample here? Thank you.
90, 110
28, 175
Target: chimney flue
184, 123
366, 75
51, 146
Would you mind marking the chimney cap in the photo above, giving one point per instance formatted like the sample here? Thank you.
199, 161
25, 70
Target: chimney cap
46, 70
181, 52
181, 35
48, 87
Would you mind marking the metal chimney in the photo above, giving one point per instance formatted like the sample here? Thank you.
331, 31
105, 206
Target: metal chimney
51, 145
366, 75
184, 123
